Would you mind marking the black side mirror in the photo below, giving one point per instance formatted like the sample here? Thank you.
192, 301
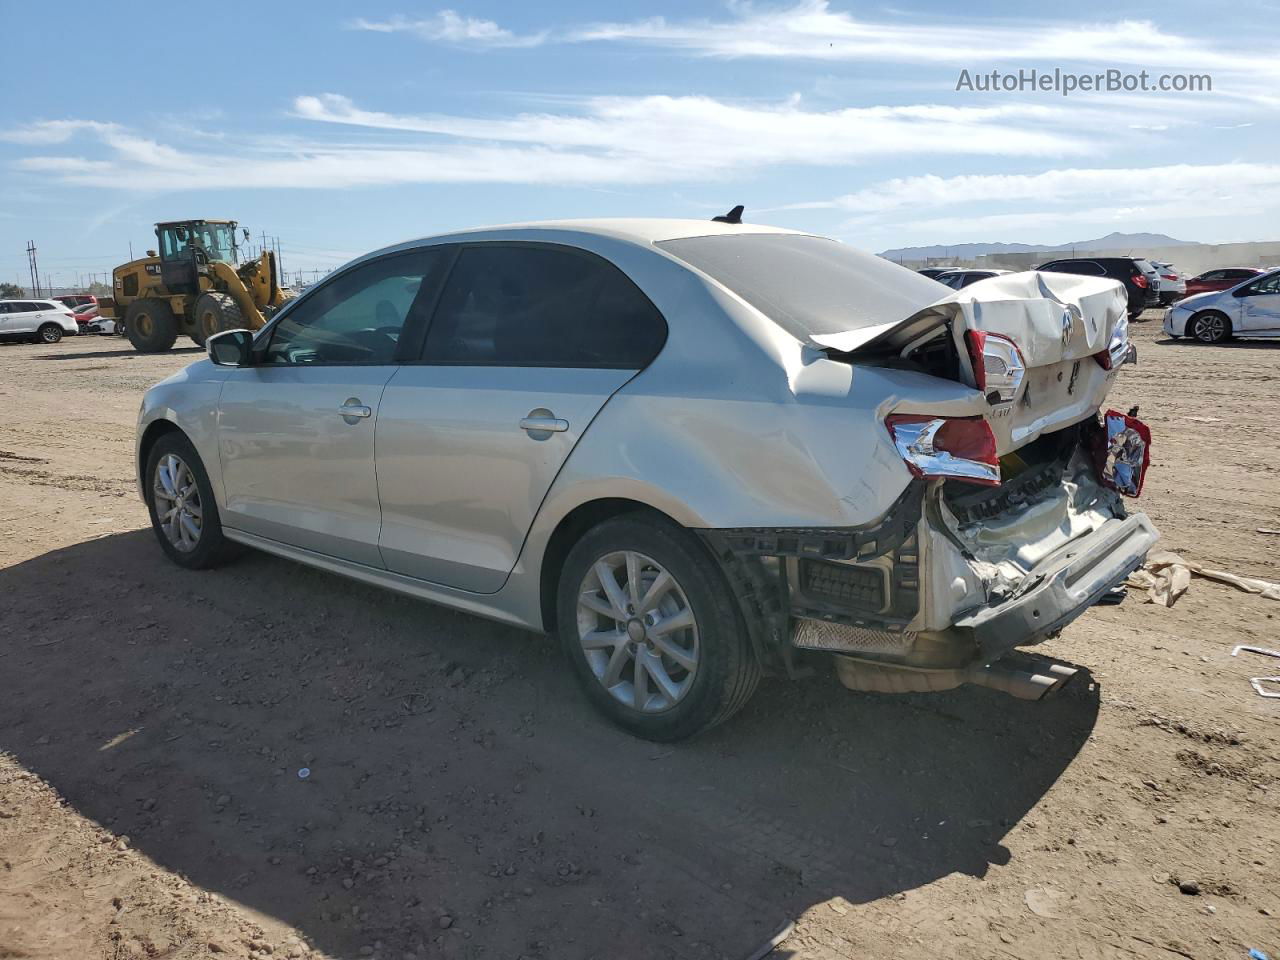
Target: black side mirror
231, 348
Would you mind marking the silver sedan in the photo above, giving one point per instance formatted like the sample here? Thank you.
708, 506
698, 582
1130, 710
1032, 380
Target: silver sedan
1248, 309
694, 451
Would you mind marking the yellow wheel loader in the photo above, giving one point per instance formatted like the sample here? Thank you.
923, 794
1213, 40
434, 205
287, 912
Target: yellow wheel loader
194, 287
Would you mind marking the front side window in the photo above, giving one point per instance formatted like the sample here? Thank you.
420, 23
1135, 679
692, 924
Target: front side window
172, 245
358, 316
1264, 287
523, 305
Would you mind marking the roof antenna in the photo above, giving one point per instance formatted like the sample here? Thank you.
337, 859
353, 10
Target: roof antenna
733, 216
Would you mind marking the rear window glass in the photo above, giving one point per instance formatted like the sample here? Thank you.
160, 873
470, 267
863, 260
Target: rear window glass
808, 285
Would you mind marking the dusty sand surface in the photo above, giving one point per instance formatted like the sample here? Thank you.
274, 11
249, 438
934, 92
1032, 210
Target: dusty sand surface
464, 801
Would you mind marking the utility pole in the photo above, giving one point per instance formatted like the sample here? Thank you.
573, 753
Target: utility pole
32, 266
130, 250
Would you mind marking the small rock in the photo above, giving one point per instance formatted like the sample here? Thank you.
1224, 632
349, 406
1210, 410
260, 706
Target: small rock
511, 870
223, 800
889, 842
527, 891
149, 804
1189, 887
216, 947
445, 922
366, 951
348, 883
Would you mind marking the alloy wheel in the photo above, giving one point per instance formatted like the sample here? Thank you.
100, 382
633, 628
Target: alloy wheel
1210, 328
638, 631
50, 335
177, 499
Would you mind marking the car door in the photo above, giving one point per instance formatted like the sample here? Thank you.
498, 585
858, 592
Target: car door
296, 428
1260, 306
527, 343
24, 317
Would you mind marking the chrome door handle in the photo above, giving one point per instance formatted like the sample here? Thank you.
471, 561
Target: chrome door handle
544, 422
353, 410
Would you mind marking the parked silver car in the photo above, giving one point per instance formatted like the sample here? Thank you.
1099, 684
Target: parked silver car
693, 450
1248, 309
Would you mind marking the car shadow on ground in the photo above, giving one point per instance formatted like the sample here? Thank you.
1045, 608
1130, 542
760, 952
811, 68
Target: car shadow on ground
454, 769
99, 354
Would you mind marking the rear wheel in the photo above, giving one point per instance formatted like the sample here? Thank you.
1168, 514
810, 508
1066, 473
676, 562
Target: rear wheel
1210, 327
49, 333
214, 313
150, 325
654, 635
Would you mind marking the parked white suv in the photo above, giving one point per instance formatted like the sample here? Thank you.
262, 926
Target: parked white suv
41, 320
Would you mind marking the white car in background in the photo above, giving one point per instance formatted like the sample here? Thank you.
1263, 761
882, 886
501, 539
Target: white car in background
1249, 309
44, 321
1173, 282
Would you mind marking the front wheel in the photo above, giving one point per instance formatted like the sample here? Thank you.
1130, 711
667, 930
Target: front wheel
184, 515
1210, 327
652, 631
215, 312
151, 325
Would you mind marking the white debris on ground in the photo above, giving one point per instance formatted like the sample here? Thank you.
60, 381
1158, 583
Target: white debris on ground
1166, 576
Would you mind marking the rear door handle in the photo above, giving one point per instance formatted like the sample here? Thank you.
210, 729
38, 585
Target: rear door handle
353, 410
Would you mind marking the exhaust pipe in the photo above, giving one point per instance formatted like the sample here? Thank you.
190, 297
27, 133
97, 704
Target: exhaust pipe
1025, 678
1026, 682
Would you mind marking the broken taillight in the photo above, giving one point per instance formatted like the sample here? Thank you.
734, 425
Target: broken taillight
1117, 351
959, 447
998, 367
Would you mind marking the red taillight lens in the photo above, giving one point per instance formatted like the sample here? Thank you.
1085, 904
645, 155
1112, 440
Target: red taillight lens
959, 447
998, 367
1141, 280
1169, 276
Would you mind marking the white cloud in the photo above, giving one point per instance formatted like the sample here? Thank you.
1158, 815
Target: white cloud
595, 140
1189, 184
812, 30
448, 26
53, 131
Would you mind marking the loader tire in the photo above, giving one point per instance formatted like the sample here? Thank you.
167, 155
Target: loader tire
151, 325
214, 313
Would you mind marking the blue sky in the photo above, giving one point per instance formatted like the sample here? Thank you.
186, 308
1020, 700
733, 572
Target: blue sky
341, 127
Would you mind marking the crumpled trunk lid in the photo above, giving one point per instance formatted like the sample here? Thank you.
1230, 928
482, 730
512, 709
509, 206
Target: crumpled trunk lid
1063, 325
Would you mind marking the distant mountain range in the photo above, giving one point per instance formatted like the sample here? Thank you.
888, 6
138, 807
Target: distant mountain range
1137, 242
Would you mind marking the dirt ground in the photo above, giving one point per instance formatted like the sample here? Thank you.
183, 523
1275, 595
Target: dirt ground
463, 801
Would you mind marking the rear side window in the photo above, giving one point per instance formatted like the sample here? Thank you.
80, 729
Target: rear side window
1086, 267
525, 305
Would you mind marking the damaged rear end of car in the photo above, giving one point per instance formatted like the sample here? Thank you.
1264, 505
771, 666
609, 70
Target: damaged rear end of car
1012, 522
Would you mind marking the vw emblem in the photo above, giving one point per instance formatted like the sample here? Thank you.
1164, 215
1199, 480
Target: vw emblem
1066, 327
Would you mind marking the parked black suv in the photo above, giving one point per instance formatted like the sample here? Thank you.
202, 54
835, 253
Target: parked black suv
1138, 276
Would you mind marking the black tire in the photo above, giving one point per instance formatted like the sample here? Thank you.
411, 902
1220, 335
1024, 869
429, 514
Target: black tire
151, 325
1209, 326
213, 313
49, 333
211, 548
727, 670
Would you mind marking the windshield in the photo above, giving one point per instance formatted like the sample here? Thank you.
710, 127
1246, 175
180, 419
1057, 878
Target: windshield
217, 239
808, 285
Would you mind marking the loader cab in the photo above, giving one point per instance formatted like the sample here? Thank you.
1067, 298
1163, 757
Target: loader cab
186, 245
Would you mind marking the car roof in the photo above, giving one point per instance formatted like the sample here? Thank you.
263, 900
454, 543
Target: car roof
640, 230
